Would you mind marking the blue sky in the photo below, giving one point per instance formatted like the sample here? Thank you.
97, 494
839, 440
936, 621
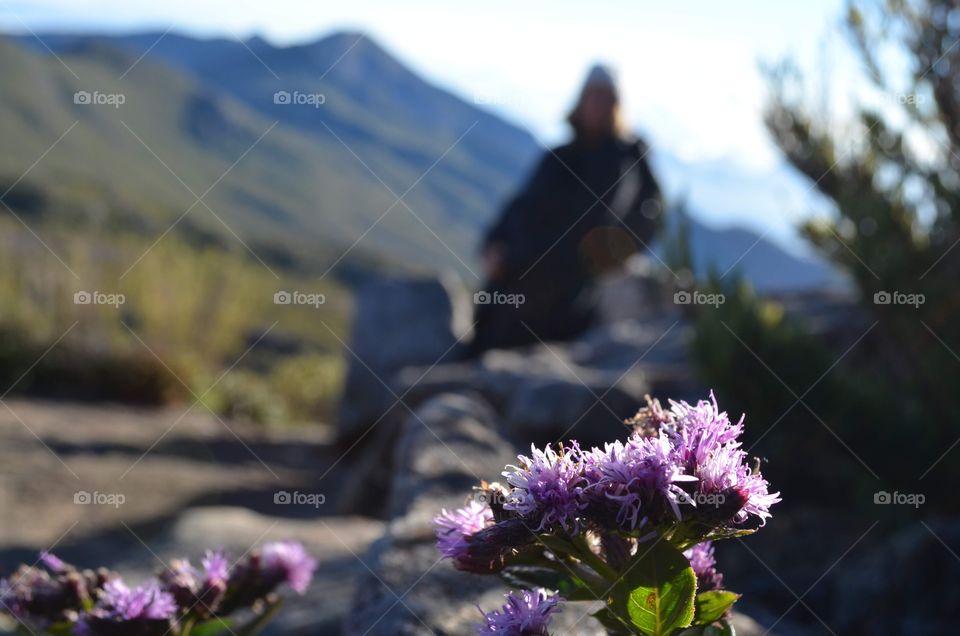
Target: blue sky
689, 70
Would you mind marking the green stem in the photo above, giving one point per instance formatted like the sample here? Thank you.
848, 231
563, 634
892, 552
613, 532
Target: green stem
187, 626
585, 554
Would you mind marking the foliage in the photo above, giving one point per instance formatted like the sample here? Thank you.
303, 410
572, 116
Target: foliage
195, 323
892, 173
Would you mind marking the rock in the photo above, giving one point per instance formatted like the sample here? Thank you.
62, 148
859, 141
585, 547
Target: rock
449, 445
743, 625
398, 323
540, 392
581, 389
906, 584
640, 291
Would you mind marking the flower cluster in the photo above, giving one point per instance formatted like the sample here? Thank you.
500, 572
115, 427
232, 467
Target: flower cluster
681, 476
58, 597
685, 463
52, 594
146, 609
526, 613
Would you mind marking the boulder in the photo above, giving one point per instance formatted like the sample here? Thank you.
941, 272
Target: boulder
908, 584
444, 449
404, 344
398, 323
582, 390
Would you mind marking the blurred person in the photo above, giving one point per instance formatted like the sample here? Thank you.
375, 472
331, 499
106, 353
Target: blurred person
587, 207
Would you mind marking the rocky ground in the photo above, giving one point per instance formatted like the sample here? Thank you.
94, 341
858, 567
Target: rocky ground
187, 482
417, 430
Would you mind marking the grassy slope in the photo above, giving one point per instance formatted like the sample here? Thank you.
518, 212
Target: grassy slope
292, 191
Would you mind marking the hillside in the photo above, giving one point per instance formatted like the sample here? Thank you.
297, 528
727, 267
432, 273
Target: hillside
295, 190
320, 187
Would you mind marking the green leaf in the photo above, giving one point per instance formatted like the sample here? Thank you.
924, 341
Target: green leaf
215, 627
711, 606
569, 587
657, 590
63, 628
609, 620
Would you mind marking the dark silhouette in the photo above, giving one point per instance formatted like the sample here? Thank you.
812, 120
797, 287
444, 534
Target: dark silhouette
588, 205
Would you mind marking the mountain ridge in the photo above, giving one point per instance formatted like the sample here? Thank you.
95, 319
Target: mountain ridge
381, 130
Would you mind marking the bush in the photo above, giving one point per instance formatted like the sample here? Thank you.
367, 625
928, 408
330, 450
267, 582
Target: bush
188, 314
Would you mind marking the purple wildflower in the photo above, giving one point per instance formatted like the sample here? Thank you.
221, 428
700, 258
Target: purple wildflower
706, 446
704, 566
700, 429
548, 488
54, 563
181, 580
9, 598
216, 567
144, 610
642, 476
143, 602
725, 471
194, 590
42, 596
290, 559
453, 528
526, 613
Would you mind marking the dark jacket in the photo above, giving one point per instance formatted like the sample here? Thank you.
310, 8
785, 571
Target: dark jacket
556, 223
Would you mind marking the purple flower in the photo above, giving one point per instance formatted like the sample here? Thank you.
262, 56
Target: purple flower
526, 613
548, 488
147, 601
698, 430
706, 444
145, 610
54, 563
725, 471
216, 567
453, 528
704, 566
9, 598
51, 594
194, 590
290, 559
642, 476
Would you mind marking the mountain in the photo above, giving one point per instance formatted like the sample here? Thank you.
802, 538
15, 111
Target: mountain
733, 251
317, 181
304, 149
